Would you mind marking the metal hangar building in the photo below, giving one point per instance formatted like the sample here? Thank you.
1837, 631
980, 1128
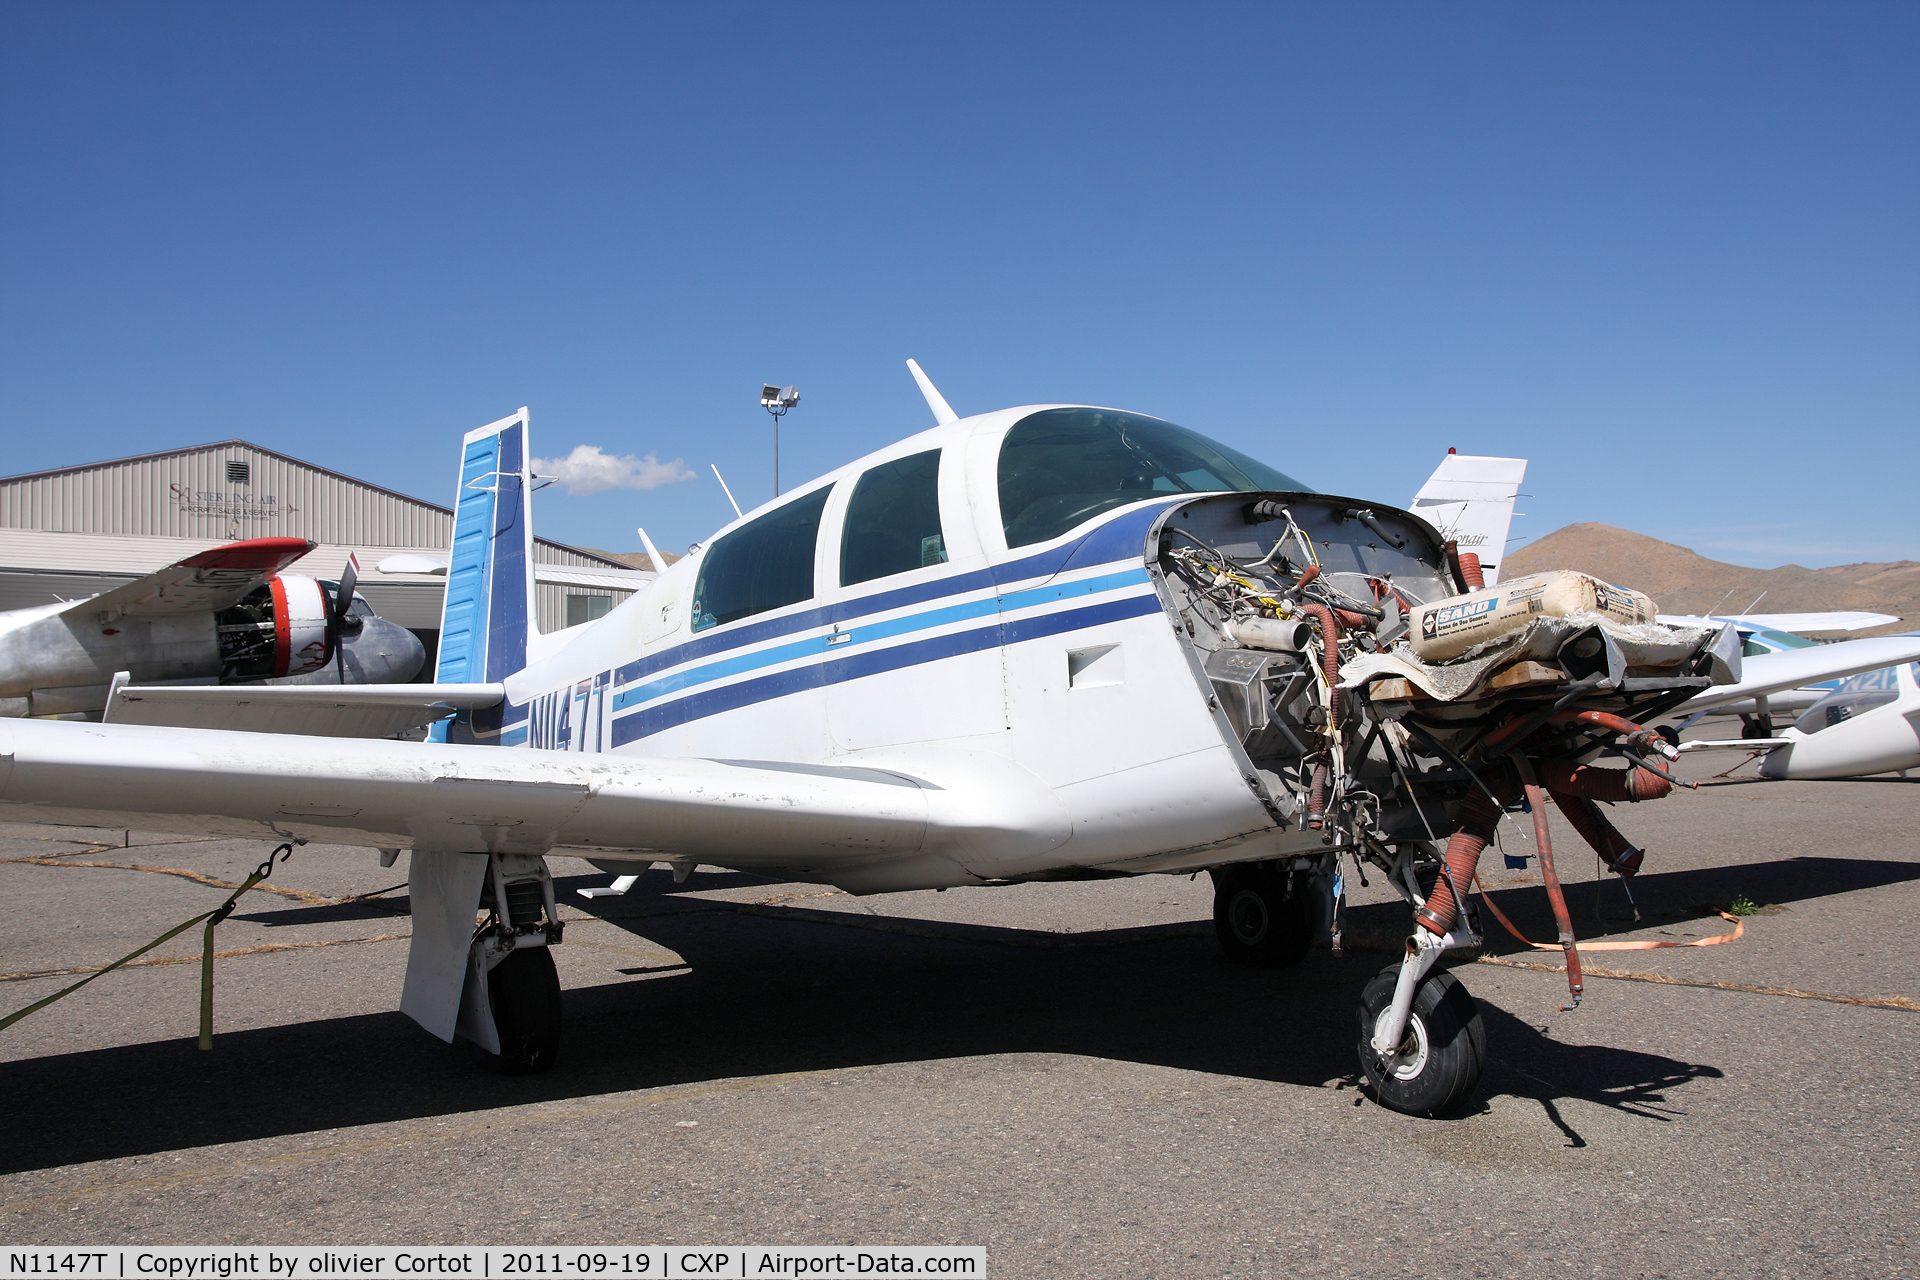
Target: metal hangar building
77, 531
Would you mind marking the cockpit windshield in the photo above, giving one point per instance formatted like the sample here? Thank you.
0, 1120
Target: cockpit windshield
1062, 467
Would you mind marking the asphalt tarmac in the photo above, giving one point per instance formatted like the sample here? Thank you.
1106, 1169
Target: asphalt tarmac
1069, 1074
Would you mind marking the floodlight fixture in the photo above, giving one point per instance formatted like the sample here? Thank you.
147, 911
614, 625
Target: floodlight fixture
776, 401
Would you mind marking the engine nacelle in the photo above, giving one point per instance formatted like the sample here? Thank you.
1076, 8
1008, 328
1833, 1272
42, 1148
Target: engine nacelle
279, 629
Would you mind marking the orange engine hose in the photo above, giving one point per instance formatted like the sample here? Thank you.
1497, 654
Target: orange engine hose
1477, 816
1583, 780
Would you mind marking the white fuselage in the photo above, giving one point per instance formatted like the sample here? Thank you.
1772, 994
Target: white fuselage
1050, 672
1879, 739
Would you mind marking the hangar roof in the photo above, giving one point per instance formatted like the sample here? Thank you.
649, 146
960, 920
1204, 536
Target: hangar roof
232, 489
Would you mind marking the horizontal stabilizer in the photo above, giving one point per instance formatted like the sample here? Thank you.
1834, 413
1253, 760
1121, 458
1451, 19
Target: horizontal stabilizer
207, 582
550, 574
1792, 668
322, 711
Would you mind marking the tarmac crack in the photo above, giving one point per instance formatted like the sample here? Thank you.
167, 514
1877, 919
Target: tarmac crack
195, 958
265, 886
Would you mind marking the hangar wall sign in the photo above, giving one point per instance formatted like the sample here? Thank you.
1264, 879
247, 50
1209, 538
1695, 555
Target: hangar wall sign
232, 506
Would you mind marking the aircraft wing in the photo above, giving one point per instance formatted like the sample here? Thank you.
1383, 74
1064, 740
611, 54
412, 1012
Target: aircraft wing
201, 583
319, 710
815, 820
1792, 668
1797, 624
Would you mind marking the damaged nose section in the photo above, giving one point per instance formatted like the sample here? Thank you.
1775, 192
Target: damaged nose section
1389, 705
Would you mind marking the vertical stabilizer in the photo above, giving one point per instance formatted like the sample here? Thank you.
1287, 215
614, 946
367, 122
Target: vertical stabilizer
1470, 500
488, 615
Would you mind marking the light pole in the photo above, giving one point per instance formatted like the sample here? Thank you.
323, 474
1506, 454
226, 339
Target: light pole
776, 402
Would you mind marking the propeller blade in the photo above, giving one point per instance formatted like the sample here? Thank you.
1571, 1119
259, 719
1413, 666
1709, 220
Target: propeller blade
339, 625
343, 597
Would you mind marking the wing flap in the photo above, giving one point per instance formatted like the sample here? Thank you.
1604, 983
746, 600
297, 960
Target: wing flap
209, 581
322, 711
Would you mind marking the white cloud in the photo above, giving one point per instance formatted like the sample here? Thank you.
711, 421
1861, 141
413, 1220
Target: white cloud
588, 470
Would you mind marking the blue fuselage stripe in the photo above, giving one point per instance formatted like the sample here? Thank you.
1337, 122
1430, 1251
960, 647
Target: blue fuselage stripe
813, 646
853, 666
1123, 538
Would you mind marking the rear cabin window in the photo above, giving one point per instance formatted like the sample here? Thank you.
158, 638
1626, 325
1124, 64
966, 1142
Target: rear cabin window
765, 564
1062, 467
893, 520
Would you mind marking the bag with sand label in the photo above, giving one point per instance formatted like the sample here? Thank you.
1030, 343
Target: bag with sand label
1447, 628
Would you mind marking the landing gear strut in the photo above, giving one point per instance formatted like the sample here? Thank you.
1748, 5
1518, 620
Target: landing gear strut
1263, 915
511, 979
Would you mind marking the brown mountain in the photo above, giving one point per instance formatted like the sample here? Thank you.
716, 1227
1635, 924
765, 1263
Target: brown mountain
1683, 581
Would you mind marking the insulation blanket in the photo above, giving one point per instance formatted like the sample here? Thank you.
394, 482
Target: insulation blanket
1645, 645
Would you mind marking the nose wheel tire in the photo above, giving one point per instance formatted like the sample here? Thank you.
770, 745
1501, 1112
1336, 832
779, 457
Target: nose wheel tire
1262, 917
524, 993
1441, 1055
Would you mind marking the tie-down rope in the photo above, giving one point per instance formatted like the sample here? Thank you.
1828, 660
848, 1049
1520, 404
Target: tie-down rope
212, 918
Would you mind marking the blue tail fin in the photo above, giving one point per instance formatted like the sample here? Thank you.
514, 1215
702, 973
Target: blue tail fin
490, 601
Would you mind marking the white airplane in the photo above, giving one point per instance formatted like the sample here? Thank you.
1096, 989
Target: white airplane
1761, 636
1865, 723
1870, 724
227, 615
1047, 643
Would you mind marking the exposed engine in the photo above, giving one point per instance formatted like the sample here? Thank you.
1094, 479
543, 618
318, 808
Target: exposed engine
279, 629
1297, 607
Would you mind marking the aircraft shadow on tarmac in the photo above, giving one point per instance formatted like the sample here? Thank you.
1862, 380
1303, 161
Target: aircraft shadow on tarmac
774, 989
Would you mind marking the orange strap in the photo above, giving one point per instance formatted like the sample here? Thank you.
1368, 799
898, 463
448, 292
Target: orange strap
1739, 928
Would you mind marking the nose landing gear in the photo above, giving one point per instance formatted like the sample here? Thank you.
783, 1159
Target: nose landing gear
1440, 1054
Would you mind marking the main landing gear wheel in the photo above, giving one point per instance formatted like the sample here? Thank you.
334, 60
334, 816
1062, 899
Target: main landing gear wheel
1262, 916
524, 992
1440, 1056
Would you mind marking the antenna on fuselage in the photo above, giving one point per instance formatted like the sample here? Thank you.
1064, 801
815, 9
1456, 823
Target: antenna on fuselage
942, 411
659, 565
737, 513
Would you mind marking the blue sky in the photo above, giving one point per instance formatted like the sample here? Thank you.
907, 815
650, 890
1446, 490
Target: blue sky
1667, 252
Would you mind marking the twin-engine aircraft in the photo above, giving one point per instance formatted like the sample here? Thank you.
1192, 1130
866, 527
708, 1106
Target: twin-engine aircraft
225, 615
1056, 642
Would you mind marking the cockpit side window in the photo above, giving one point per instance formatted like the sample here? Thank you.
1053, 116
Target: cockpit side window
765, 564
1062, 467
893, 520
